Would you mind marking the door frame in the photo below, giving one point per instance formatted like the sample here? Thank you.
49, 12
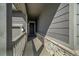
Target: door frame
34, 26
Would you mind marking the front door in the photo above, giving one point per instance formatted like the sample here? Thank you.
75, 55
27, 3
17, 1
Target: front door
31, 28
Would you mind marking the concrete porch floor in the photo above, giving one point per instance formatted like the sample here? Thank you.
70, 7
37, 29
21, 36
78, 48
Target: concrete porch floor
34, 47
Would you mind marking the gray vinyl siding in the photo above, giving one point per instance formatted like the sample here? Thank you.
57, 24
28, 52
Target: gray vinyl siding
78, 30
18, 18
78, 24
59, 28
78, 8
2, 29
17, 31
59, 25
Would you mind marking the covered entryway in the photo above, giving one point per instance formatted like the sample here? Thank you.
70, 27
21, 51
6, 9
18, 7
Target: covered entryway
43, 29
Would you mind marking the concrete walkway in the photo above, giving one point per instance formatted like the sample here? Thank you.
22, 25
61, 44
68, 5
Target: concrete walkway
34, 47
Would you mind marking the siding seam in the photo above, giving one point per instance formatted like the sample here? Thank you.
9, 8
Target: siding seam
58, 33
63, 7
61, 15
60, 21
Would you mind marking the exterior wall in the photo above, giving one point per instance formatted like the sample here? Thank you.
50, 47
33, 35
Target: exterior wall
19, 37
71, 23
59, 25
17, 31
55, 26
78, 25
46, 18
74, 15
2, 29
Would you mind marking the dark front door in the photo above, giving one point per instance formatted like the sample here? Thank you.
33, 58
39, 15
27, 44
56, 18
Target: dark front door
31, 28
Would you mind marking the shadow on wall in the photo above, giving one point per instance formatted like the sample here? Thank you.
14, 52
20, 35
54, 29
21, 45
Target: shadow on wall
46, 18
